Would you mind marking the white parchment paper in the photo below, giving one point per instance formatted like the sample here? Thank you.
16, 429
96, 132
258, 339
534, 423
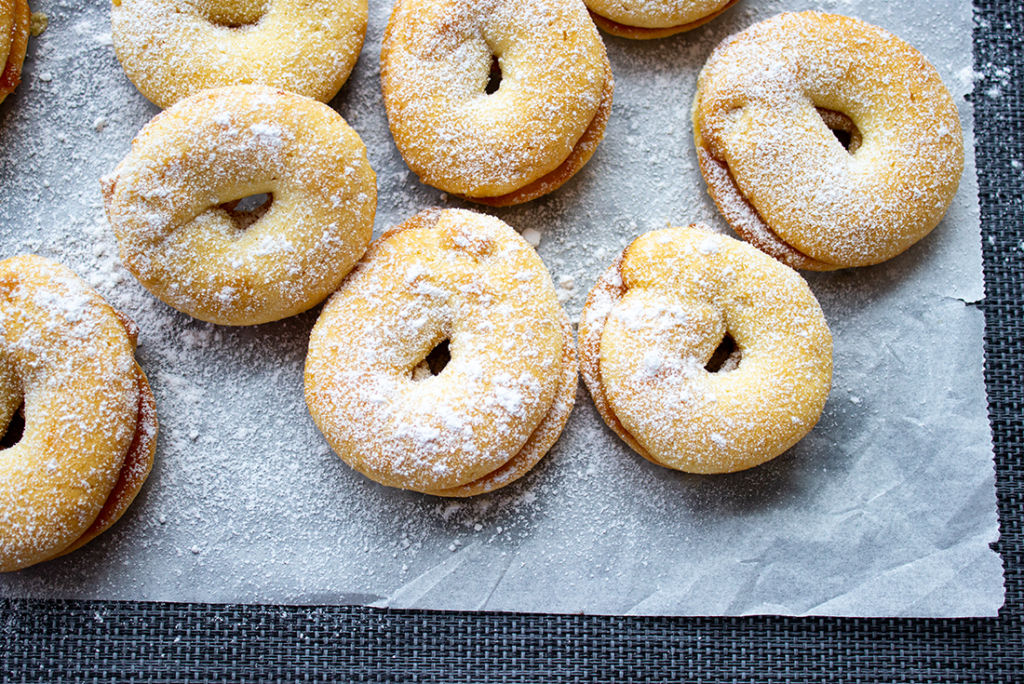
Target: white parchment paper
886, 508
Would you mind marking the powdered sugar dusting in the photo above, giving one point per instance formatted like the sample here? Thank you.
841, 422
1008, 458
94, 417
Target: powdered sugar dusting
247, 502
656, 14
452, 277
69, 358
756, 115
436, 62
646, 358
174, 48
168, 204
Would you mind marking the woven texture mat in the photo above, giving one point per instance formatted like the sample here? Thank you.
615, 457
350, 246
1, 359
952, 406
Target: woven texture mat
101, 641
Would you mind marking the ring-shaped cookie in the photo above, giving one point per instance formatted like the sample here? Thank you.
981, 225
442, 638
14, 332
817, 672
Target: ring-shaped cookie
477, 423
654, 348
762, 117
171, 49
654, 18
15, 19
170, 202
90, 426
525, 139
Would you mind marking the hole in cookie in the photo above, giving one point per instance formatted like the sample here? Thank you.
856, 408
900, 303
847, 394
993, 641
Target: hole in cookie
253, 203
725, 358
842, 127
248, 210
844, 138
494, 79
233, 14
15, 429
435, 362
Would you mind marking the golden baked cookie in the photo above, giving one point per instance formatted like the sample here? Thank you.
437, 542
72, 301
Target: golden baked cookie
89, 420
171, 49
172, 204
444, 364
704, 354
766, 101
15, 18
647, 19
497, 143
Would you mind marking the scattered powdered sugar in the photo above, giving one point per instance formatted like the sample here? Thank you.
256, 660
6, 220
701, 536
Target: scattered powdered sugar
247, 502
508, 396
653, 362
710, 245
71, 306
269, 136
272, 244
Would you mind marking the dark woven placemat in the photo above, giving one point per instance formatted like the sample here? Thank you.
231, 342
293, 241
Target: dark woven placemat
119, 641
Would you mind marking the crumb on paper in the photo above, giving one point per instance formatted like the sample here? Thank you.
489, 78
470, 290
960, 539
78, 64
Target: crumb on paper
532, 236
38, 23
